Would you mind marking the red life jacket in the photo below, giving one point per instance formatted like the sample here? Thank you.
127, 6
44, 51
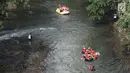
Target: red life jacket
95, 56
60, 8
83, 50
86, 56
60, 5
91, 68
67, 9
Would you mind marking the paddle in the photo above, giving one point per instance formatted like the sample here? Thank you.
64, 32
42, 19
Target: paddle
101, 50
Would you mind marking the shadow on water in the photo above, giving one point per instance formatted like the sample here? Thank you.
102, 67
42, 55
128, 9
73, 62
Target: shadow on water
16, 55
21, 18
12, 55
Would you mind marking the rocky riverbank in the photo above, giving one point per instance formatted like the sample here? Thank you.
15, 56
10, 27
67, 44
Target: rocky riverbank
122, 27
123, 39
122, 47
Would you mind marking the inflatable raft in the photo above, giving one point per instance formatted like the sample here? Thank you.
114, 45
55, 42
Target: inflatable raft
90, 54
64, 12
88, 57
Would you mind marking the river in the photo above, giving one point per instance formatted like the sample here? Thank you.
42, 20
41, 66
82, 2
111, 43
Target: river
57, 41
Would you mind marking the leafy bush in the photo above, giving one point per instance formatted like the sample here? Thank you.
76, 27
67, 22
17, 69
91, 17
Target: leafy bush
97, 8
24, 3
128, 35
124, 21
128, 7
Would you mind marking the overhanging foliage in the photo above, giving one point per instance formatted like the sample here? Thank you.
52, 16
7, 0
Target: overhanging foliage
124, 21
97, 8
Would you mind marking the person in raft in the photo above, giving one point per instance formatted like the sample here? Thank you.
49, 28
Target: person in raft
91, 68
63, 7
83, 50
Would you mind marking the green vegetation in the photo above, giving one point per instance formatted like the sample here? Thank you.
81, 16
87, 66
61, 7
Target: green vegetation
23, 2
97, 8
12, 4
124, 20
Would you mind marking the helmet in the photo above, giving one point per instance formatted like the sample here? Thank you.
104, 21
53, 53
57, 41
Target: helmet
84, 48
59, 5
97, 53
89, 47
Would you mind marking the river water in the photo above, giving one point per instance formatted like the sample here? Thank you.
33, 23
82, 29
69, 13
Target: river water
57, 41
